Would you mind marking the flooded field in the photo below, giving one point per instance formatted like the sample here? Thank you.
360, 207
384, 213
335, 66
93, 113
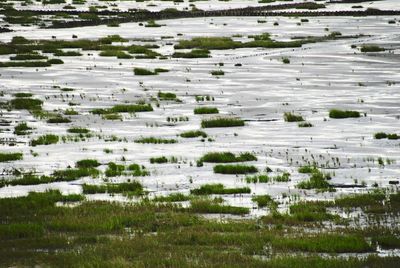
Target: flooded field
215, 141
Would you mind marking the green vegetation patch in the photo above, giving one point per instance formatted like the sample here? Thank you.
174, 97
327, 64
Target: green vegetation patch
133, 188
6, 157
206, 110
339, 114
208, 189
45, 140
234, 169
227, 157
222, 122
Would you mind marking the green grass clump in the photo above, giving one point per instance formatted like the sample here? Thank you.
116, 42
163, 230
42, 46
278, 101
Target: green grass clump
317, 180
213, 206
382, 135
174, 197
133, 188
45, 140
122, 108
58, 120
166, 96
265, 201
208, 189
114, 170
26, 64
217, 72
28, 57
23, 95
305, 124
158, 160
61, 53
6, 157
222, 122
28, 179
285, 60
371, 48
208, 43
55, 61
193, 134
307, 169
155, 140
71, 174
227, 157
339, 114
26, 104
115, 53
78, 130
195, 53
290, 117
234, 169
257, 179
87, 163
206, 110
143, 71
22, 129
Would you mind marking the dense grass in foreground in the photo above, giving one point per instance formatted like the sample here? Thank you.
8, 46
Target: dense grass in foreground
36, 231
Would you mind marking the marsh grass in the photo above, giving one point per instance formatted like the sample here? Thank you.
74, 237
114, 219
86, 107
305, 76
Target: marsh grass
193, 134
329, 243
7, 157
390, 136
208, 189
213, 206
339, 114
58, 120
78, 130
290, 117
45, 140
26, 104
222, 122
217, 72
154, 140
195, 53
22, 129
234, 169
317, 180
87, 163
174, 197
165, 96
133, 188
72, 174
206, 110
305, 124
371, 48
124, 108
265, 201
111, 234
227, 157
